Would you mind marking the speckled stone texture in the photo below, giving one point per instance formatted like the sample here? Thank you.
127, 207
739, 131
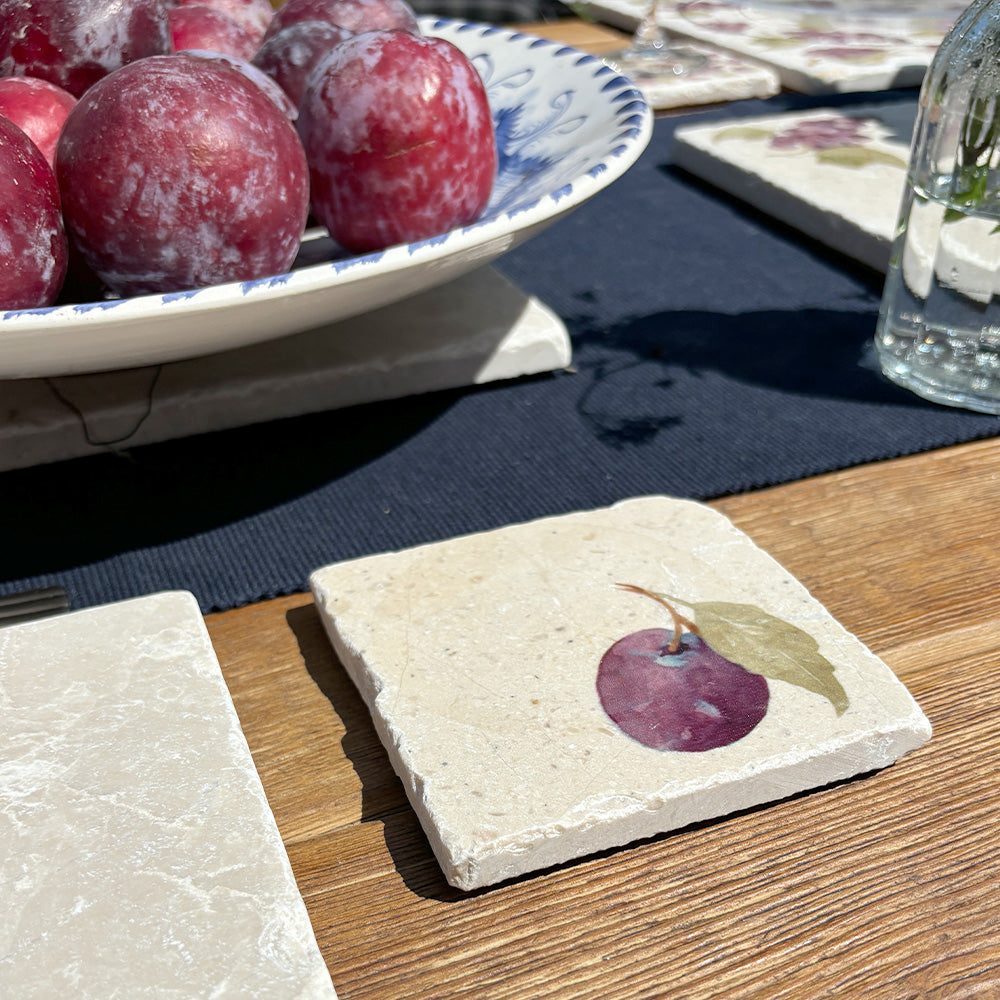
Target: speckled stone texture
139, 855
479, 659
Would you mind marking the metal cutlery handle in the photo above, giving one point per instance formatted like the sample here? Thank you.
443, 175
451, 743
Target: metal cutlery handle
29, 604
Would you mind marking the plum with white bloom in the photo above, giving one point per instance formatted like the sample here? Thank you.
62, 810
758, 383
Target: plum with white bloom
399, 138
38, 108
290, 56
33, 249
256, 14
178, 172
74, 43
354, 15
201, 27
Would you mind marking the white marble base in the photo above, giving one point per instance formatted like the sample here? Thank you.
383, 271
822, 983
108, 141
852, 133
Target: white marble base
479, 659
476, 329
836, 175
140, 857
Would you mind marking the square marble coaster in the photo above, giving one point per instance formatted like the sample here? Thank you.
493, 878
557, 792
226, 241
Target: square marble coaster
812, 52
838, 175
140, 857
535, 712
722, 77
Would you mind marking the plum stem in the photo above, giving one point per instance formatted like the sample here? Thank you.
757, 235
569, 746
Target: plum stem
680, 622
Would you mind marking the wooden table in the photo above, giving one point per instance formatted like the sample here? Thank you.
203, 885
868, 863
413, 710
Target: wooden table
885, 887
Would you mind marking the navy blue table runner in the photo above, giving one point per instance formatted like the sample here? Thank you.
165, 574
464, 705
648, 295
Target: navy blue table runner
715, 351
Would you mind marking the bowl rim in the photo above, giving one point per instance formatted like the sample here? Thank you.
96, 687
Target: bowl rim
634, 132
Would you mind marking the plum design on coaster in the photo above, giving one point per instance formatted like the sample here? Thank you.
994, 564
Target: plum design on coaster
704, 684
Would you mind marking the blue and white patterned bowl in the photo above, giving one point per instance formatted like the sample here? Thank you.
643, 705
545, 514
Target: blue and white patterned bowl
567, 126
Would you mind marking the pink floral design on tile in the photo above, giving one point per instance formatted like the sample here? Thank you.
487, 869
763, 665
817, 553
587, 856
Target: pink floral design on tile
822, 133
849, 55
846, 38
831, 140
699, 5
728, 27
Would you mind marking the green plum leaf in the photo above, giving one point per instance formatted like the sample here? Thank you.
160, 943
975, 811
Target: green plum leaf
749, 132
766, 645
777, 41
858, 156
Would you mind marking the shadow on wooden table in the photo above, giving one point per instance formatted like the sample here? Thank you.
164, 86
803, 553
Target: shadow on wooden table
382, 796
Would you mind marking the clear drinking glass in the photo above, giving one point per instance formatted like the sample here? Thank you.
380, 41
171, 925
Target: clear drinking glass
939, 325
651, 53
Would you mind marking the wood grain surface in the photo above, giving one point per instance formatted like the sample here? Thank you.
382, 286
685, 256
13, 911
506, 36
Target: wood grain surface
884, 887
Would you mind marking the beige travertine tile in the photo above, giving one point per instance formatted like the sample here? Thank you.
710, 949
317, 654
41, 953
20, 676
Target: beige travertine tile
479, 660
835, 174
139, 855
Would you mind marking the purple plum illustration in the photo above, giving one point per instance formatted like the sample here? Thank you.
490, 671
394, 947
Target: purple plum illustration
692, 688
671, 691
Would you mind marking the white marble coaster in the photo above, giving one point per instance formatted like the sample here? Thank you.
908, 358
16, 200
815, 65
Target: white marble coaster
140, 857
478, 328
535, 713
722, 77
815, 53
837, 175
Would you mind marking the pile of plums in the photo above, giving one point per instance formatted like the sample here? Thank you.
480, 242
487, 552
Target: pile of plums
164, 145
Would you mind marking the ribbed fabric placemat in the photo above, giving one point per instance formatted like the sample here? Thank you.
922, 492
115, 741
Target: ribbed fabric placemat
715, 352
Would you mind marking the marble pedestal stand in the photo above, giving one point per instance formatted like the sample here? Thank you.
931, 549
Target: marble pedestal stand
477, 328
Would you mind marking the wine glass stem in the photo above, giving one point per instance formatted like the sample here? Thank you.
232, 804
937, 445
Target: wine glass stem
650, 52
648, 34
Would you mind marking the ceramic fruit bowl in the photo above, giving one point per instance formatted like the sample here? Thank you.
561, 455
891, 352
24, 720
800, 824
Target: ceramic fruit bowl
567, 126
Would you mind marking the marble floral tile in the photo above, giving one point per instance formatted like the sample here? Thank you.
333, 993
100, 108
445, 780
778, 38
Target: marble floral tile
835, 174
722, 77
812, 52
